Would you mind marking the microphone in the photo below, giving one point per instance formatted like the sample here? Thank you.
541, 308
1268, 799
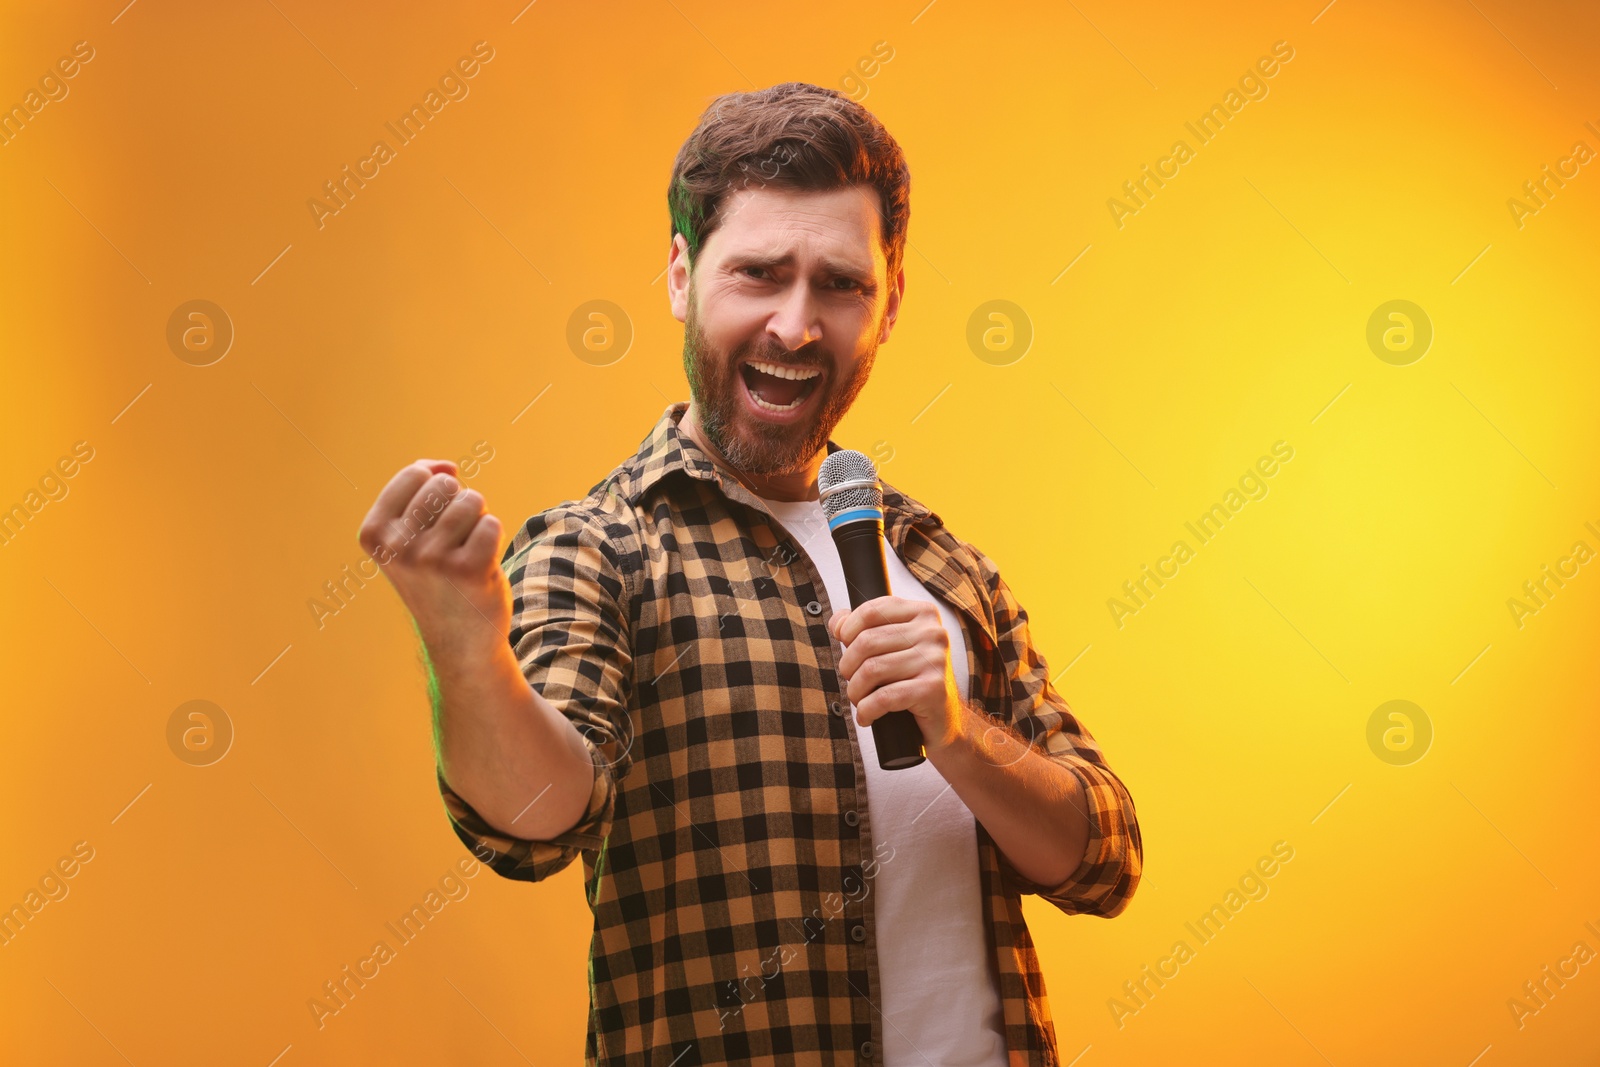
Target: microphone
852, 500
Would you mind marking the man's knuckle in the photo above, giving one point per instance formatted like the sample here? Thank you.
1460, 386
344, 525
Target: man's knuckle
394, 533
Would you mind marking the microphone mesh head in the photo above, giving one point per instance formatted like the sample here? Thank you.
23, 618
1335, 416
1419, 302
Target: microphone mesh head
834, 480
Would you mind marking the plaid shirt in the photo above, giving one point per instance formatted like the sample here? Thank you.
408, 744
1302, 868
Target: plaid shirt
728, 851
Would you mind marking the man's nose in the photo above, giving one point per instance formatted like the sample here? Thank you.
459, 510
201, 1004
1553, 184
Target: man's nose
797, 320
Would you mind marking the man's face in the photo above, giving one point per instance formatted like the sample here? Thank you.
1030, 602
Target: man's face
791, 283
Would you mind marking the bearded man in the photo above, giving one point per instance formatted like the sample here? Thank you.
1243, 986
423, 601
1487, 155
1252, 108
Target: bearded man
685, 697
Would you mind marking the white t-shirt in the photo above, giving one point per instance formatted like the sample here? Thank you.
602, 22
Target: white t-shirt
939, 999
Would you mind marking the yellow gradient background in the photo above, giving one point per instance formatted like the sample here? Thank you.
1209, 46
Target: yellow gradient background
1229, 313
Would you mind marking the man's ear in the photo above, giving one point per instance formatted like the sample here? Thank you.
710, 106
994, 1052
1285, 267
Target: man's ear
890, 313
678, 267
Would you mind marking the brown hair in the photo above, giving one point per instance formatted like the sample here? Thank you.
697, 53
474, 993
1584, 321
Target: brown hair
794, 135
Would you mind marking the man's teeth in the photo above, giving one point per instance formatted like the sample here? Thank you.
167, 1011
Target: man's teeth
776, 371
774, 407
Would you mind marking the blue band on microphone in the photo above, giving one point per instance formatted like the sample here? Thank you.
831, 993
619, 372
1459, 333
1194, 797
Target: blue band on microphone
854, 515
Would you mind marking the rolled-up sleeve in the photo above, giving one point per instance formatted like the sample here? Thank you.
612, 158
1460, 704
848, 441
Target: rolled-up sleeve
1105, 880
570, 634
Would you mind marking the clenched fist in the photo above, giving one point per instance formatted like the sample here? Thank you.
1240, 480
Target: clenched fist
441, 551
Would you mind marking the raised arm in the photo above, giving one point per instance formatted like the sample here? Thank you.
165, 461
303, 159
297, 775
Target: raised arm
501, 746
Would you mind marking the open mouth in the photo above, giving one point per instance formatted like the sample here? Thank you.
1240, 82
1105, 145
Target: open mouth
776, 389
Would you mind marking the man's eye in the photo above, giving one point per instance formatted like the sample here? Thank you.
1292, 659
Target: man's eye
849, 283
763, 270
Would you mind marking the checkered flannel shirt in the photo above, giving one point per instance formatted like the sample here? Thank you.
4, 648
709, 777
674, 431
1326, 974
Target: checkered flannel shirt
728, 849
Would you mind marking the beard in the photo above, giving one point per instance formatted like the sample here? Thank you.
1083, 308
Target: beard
749, 443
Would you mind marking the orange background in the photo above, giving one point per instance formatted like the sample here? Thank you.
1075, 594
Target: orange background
1229, 313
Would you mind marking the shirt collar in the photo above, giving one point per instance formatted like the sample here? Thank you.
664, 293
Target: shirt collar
668, 449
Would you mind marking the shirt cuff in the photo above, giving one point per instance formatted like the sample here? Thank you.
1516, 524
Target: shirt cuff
1112, 860
526, 859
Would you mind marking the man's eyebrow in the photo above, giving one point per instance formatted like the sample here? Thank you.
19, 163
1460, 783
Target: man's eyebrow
786, 259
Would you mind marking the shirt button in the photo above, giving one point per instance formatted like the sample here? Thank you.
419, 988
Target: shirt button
814, 607
858, 932
851, 818
837, 707
868, 1050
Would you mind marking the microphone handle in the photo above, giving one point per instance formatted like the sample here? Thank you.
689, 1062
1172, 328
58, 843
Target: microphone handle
895, 735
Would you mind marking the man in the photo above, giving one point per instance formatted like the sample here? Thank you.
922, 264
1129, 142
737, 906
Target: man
665, 676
